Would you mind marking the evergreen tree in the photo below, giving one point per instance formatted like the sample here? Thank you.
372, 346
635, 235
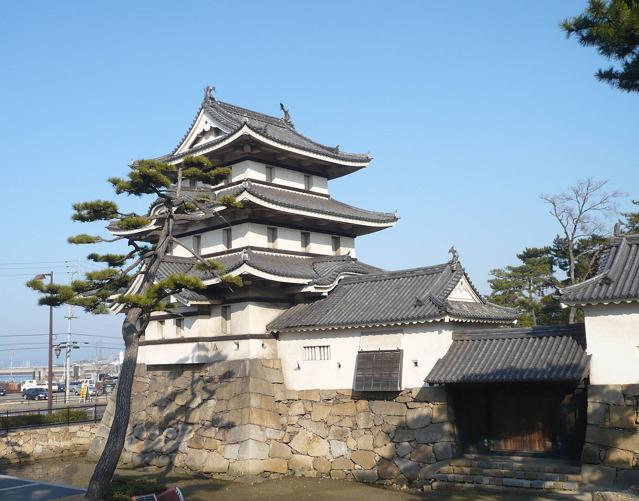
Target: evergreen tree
130, 280
631, 224
612, 26
587, 252
580, 212
525, 286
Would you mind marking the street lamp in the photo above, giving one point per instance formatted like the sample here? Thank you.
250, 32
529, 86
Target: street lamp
42, 276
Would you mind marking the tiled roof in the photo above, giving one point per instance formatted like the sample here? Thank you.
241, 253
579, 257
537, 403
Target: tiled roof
617, 279
234, 117
398, 297
308, 202
553, 353
322, 270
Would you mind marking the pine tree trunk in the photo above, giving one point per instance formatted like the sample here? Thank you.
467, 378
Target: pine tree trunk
115, 442
571, 256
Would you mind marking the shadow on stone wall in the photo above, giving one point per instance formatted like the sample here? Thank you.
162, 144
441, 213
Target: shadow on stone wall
236, 418
611, 450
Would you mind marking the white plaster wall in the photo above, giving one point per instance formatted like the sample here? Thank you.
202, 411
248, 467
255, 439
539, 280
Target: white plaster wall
248, 317
249, 169
253, 234
212, 241
612, 333
290, 240
424, 344
209, 351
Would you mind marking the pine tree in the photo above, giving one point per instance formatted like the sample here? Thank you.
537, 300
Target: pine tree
613, 27
631, 224
580, 211
524, 286
131, 280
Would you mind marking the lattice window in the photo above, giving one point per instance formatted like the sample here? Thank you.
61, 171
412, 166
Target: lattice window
312, 353
378, 370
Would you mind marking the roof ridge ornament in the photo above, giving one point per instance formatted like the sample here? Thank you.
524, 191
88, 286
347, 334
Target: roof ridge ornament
617, 229
455, 257
287, 116
209, 93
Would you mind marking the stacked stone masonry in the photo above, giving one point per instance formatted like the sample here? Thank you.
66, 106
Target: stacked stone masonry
237, 418
48, 442
611, 450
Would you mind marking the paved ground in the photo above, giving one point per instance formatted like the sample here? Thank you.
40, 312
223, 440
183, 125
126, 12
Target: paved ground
77, 471
19, 489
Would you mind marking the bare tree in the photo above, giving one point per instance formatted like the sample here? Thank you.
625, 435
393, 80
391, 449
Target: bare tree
581, 211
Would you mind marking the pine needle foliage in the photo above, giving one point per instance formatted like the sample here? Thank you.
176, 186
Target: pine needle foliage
612, 26
131, 281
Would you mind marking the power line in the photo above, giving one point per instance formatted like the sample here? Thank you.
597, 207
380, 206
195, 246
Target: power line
57, 334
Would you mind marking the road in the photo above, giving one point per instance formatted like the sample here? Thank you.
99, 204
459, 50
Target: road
15, 402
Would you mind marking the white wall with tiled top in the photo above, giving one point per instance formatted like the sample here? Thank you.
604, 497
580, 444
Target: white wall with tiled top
422, 346
612, 335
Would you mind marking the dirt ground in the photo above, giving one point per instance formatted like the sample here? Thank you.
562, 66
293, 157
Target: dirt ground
77, 471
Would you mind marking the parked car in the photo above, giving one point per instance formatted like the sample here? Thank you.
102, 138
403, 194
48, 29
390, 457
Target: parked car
3, 392
32, 383
74, 387
61, 387
36, 394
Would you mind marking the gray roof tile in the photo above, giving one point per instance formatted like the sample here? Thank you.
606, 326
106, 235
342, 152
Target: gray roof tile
407, 296
308, 202
318, 270
234, 117
552, 353
617, 279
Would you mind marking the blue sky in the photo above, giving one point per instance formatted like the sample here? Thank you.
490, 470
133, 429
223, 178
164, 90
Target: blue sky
470, 110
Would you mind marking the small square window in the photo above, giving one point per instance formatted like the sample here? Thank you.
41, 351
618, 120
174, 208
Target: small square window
336, 245
305, 241
312, 353
226, 319
308, 182
227, 238
197, 244
270, 174
271, 236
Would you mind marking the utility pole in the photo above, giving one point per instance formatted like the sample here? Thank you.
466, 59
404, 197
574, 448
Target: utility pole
50, 377
67, 360
42, 276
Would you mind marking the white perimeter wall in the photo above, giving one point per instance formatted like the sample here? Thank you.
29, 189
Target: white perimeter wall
424, 344
612, 333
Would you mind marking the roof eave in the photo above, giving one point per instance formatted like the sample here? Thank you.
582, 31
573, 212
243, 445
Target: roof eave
350, 160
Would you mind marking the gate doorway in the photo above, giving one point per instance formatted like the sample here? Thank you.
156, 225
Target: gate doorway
523, 419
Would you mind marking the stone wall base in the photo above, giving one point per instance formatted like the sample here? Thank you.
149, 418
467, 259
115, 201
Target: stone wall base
236, 418
611, 450
48, 442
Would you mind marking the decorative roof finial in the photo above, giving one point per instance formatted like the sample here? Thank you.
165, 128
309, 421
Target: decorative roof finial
209, 93
617, 230
287, 115
454, 253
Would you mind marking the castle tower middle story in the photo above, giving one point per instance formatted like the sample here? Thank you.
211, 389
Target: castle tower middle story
290, 241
